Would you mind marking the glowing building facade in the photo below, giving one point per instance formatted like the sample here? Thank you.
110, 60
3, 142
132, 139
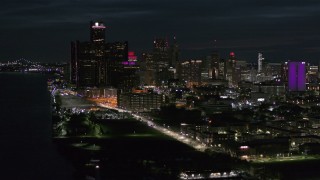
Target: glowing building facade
297, 76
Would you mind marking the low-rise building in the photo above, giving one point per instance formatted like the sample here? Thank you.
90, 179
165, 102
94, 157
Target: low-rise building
140, 101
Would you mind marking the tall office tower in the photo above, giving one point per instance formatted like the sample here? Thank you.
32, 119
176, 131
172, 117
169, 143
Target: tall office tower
260, 63
214, 66
229, 67
284, 72
148, 61
148, 69
205, 68
296, 76
74, 62
312, 78
97, 32
312, 73
130, 78
191, 72
161, 52
88, 59
174, 53
161, 57
88, 65
117, 53
232, 59
161, 45
243, 71
96, 63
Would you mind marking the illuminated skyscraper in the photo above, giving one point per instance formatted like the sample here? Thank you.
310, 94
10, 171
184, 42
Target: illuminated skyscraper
260, 63
230, 69
174, 59
88, 64
148, 69
97, 63
74, 62
161, 53
129, 74
297, 76
117, 53
191, 72
97, 32
161, 57
214, 66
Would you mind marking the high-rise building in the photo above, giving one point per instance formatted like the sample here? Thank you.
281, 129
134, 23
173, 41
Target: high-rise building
88, 64
214, 66
161, 57
161, 52
97, 32
74, 62
312, 74
296, 76
129, 75
97, 63
174, 54
260, 63
191, 72
230, 69
284, 72
117, 53
148, 69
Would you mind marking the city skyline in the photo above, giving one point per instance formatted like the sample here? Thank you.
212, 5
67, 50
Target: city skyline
283, 31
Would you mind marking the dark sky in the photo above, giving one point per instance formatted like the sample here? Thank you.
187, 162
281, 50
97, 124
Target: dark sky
41, 30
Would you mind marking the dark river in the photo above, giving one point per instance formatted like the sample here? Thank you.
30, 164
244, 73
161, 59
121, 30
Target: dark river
27, 151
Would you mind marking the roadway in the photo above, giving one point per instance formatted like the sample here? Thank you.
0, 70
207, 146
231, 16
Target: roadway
197, 145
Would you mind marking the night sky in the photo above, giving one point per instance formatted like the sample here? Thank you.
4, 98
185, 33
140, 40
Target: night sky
41, 30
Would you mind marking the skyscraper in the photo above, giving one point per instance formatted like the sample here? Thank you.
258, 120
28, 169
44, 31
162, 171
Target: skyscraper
230, 69
97, 63
129, 75
161, 57
296, 76
191, 72
88, 65
174, 59
117, 53
97, 32
161, 52
148, 69
260, 63
214, 66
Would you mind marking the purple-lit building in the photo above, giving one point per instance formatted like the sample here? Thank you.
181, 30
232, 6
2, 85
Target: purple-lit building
297, 76
129, 76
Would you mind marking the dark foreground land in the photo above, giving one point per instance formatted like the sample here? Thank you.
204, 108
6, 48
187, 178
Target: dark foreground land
131, 150
300, 169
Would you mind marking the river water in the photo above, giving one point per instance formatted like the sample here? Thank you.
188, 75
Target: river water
27, 151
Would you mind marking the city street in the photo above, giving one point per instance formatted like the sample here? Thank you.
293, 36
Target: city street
165, 130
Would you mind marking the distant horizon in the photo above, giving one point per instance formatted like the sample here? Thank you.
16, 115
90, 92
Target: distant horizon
255, 61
